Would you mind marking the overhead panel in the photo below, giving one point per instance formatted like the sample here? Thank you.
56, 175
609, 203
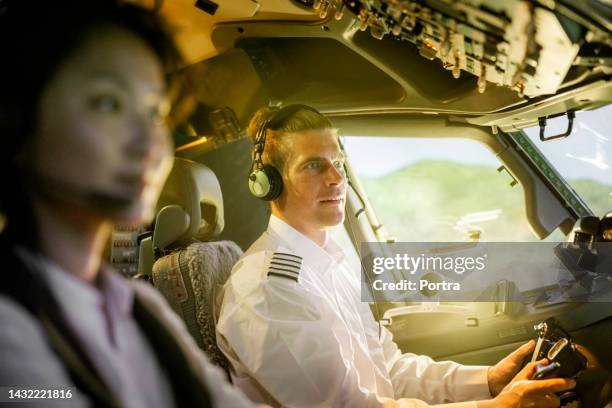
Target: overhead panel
527, 46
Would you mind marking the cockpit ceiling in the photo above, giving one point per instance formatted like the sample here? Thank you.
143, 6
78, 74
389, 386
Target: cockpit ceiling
328, 74
192, 21
469, 58
321, 71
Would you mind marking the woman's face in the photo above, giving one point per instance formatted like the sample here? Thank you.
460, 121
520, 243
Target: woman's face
101, 143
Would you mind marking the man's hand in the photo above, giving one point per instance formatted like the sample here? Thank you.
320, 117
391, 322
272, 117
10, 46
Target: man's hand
502, 373
522, 392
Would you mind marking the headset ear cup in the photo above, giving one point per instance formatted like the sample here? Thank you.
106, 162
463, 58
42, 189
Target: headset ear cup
259, 185
266, 183
276, 182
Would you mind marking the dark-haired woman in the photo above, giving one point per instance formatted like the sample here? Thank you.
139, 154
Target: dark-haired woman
85, 142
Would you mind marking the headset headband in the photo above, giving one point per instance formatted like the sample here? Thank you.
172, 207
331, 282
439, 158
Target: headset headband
274, 120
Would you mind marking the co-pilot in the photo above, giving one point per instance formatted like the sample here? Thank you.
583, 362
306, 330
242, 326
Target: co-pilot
85, 143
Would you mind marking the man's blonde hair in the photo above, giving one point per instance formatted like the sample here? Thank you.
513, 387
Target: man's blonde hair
277, 147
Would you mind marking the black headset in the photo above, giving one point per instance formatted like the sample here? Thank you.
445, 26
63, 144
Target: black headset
265, 181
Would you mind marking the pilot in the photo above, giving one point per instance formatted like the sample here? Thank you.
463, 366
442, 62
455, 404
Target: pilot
292, 322
85, 143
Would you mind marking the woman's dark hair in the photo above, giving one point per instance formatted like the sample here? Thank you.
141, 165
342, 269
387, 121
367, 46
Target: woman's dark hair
36, 37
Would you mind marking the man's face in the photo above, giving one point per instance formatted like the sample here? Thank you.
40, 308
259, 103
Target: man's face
314, 181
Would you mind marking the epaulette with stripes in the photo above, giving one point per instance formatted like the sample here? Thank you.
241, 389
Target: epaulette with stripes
284, 265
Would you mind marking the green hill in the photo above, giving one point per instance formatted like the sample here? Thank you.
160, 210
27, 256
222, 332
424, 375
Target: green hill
597, 195
425, 201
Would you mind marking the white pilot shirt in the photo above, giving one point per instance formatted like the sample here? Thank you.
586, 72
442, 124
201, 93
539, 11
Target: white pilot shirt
297, 334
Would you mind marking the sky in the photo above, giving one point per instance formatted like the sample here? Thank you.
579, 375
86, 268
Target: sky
586, 153
374, 156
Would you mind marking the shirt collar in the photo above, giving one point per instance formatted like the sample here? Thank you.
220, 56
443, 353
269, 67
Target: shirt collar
117, 289
332, 247
321, 258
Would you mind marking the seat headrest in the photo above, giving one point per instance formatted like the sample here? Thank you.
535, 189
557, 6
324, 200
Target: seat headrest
194, 188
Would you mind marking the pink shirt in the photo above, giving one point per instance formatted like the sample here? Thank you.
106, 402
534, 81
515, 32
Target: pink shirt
102, 320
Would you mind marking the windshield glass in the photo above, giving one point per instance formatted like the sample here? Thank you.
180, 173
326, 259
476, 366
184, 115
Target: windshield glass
440, 190
584, 159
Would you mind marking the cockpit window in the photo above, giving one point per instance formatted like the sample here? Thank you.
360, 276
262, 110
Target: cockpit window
443, 190
584, 159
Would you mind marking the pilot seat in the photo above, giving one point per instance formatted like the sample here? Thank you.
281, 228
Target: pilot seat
180, 258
